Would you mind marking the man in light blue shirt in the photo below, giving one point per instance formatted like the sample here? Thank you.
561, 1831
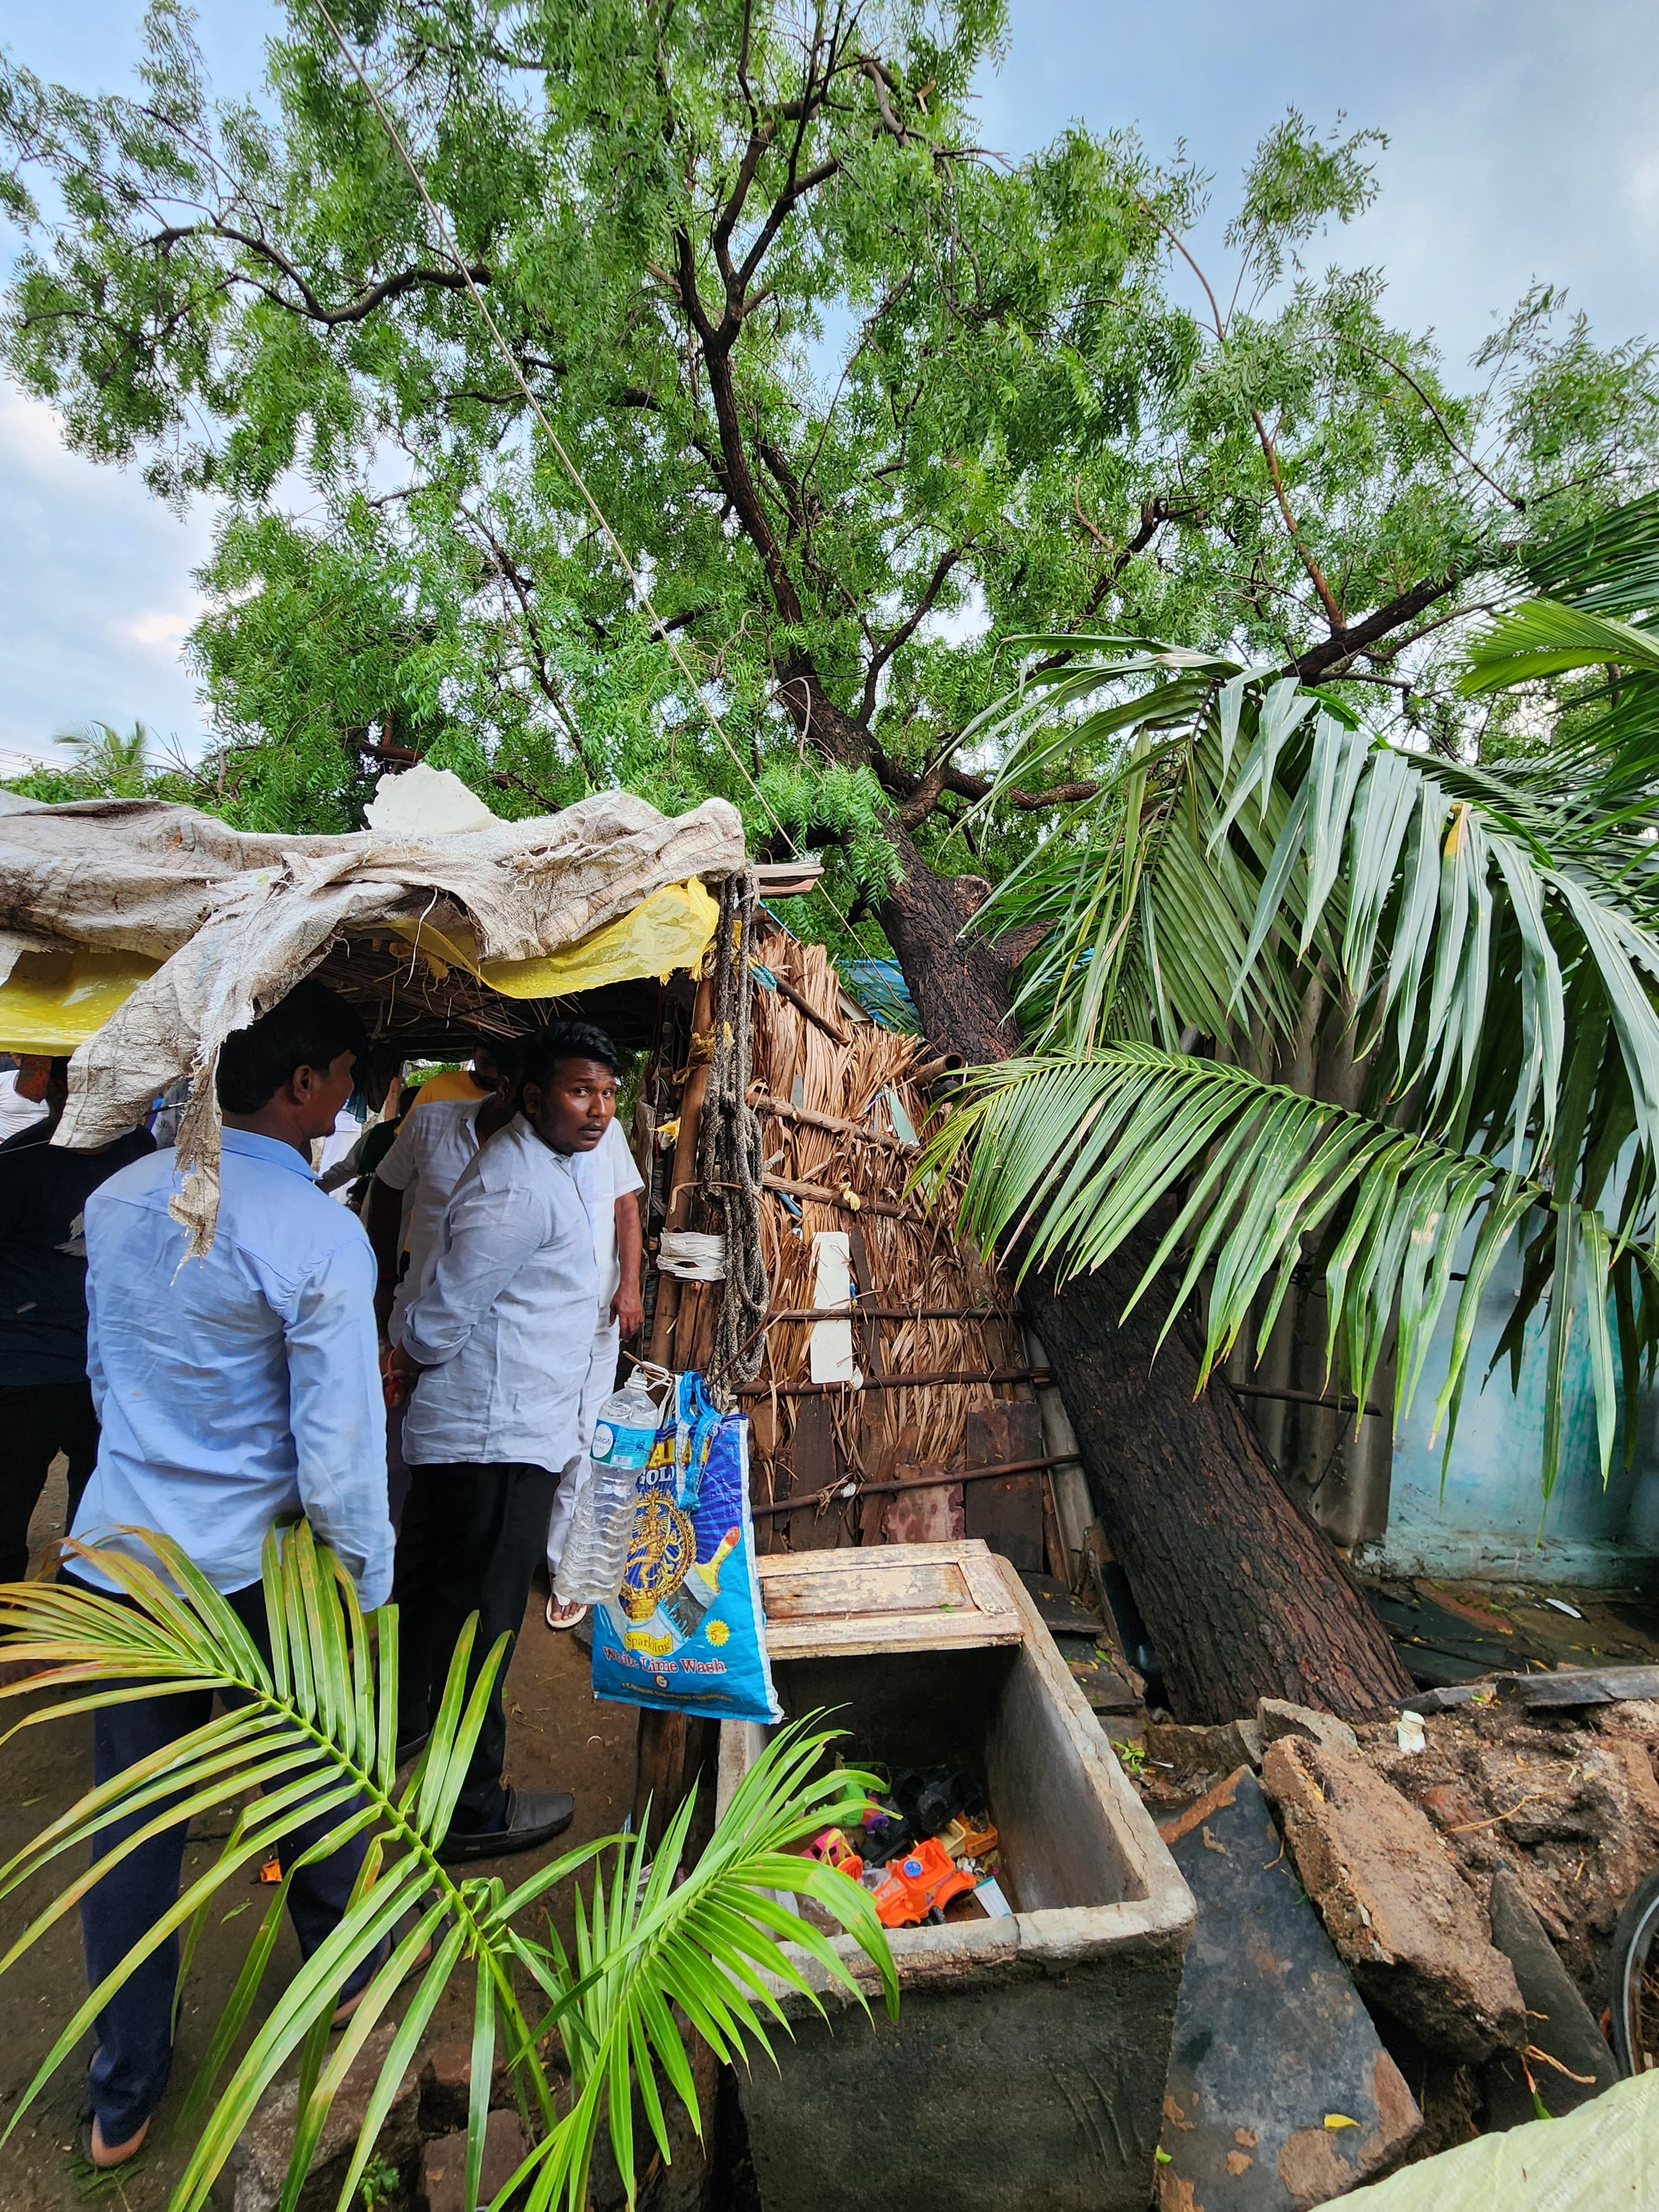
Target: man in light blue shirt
234, 1391
498, 1345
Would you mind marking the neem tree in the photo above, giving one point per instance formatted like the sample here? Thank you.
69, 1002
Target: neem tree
859, 397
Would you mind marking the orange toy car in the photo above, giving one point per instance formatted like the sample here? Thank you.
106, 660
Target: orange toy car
922, 1881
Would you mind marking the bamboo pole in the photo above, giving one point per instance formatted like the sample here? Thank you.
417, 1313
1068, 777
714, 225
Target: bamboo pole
682, 1178
763, 1102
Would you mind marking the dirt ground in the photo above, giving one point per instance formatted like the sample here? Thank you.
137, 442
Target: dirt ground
559, 1737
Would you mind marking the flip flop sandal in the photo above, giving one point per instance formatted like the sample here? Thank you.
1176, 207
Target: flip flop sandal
578, 1613
83, 2147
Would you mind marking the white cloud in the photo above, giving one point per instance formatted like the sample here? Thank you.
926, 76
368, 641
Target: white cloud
1642, 189
162, 632
96, 587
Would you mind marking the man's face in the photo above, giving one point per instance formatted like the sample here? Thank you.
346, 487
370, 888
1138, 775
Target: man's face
319, 1093
572, 1110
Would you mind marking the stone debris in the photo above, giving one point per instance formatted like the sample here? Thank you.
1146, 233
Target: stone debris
1567, 2061
446, 2085
1277, 1719
1568, 1803
260, 2159
1409, 1926
1271, 2039
443, 2164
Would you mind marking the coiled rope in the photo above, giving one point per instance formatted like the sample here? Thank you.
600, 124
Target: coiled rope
729, 1160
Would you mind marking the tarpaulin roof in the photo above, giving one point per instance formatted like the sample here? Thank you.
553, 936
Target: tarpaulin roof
169, 929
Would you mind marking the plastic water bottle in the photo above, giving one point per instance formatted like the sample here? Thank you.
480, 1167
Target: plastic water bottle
590, 1569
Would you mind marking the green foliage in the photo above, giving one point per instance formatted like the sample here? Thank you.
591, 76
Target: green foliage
862, 402
1357, 1011
117, 763
379, 2185
316, 1736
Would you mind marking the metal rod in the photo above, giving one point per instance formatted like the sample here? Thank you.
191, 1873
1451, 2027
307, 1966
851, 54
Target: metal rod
944, 1481
1305, 1398
895, 1382
852, 1311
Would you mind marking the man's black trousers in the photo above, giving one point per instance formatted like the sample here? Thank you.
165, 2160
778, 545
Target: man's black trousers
134, 2055
471, 1538
37, 1421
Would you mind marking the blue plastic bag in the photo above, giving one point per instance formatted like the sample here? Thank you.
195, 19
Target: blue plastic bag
687, 1635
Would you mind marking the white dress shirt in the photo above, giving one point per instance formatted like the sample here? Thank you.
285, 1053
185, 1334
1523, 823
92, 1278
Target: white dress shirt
16, 1114
603, 1176
426, 1160
241, 1388
505, 1324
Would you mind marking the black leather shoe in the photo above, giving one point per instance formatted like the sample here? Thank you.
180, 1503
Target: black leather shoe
412, 1749
533, 1817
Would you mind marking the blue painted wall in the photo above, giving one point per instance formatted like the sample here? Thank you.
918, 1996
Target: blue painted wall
1491, 1521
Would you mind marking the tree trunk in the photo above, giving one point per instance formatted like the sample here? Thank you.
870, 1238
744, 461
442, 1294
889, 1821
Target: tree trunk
1245, 1598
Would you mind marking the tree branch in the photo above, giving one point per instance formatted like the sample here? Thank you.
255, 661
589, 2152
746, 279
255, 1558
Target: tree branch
365, 303
907, 629
1316, 574
1325, 659
1154, 513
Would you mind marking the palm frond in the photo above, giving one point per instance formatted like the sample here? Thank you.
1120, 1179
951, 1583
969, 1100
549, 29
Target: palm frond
314, 1733
1069, 1154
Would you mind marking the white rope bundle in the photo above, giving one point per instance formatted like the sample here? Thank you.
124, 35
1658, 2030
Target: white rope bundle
693, 1256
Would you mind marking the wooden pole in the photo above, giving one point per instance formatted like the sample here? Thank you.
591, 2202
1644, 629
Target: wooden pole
683, 1177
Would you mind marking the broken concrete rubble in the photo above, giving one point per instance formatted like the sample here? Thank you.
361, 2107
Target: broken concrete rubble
1568, 1803
1216, 1751
1567, 2061
1397, 1909
1277, 1717
260, 2159
1281, 2095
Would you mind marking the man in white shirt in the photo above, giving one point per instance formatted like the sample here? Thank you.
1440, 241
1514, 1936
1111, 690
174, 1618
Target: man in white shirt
413, 1184
609, 1182
497, 1344
23, 1093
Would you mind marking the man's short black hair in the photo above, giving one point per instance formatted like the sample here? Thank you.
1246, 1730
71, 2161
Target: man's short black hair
310, 1028
504, 1053
566, 1041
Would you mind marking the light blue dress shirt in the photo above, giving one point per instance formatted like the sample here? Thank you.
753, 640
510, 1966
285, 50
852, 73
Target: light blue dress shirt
238, 1388
504, 1326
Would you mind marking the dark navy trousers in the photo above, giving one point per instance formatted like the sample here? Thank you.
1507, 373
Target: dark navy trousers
130, 2066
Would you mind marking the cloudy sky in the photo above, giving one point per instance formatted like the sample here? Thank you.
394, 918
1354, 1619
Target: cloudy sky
1523, 146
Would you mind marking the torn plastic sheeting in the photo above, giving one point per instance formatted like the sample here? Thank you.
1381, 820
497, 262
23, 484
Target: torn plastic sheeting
672, 929
54, 1001
235, 919
1602, 2158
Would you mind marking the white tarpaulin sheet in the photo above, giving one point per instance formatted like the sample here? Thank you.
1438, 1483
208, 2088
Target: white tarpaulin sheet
237, 920
1602, 2158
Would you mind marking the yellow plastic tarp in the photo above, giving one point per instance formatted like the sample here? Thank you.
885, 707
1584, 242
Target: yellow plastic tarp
672, 928
54, 1001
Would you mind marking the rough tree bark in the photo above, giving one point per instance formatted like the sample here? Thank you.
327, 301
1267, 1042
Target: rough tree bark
1245, 1597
